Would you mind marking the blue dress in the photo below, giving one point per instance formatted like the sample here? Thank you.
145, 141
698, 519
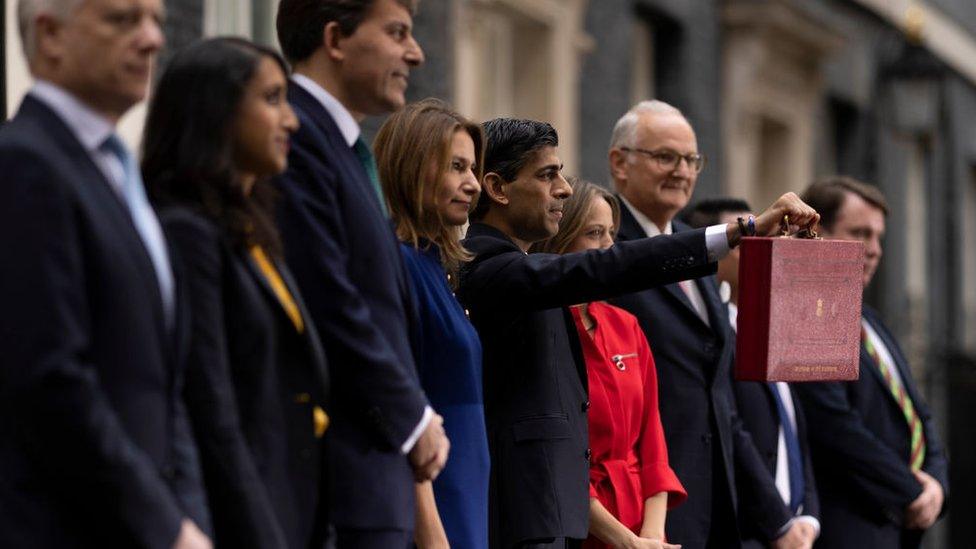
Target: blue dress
450, 372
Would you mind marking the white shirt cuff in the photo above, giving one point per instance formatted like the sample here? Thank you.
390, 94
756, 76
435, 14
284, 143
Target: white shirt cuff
418, 430
812, 521
717, 242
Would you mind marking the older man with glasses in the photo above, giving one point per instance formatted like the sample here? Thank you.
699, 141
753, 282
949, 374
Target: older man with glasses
654, 163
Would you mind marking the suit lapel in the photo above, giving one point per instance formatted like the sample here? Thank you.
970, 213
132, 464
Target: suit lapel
91, 180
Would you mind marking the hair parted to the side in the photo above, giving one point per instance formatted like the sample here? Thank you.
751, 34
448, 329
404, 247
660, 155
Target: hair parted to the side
300, 23
509, 144
27, 14
188, 156
576, 212
708, 211
827, 196
413, 153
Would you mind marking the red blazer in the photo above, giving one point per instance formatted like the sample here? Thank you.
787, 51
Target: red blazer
629, 461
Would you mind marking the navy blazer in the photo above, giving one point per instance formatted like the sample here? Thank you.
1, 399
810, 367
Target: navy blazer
534, 372
346, 259
252, 383
757, 408
704, 434
861, 445
95, 445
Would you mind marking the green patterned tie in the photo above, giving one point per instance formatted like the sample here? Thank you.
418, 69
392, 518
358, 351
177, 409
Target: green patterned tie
369, 164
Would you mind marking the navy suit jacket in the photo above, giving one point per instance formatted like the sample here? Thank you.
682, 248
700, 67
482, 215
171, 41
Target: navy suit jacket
759, 416
346, 259
861, 445
252, 383
95, 445
534, 373
707, 444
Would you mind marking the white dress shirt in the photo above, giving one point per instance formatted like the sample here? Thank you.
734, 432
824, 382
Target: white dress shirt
351, 131
883, 353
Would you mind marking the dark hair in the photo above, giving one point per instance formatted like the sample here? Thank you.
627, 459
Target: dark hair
509, 144
708, 212
827, 196
300, 23
188, 156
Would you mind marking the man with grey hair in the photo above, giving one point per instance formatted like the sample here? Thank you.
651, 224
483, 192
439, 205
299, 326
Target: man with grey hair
94, 441
654, 163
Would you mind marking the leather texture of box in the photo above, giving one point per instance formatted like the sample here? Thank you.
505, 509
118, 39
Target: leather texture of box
799, 309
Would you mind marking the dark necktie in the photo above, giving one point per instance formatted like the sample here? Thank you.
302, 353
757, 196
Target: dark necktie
793, 456
369, 164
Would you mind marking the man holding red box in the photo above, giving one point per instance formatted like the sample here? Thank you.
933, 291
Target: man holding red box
880, 467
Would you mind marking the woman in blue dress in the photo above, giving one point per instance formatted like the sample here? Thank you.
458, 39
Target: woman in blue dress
429, 161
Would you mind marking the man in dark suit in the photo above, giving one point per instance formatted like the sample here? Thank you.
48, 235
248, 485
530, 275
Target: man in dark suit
95, 445
881, 470
769, 411
535, 377
654, 162
352, 59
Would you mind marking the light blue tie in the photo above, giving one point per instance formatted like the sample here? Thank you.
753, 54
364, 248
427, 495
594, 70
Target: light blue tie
146, 223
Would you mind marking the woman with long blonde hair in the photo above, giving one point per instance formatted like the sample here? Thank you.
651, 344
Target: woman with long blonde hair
429, 162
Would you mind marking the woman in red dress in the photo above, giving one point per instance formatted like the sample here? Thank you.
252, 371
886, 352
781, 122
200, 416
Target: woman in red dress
631, 483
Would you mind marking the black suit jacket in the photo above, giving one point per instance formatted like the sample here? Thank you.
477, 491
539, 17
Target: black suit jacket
706, 442
534, 374
252, 383
94, 440
347, 262
759, 416
861, 446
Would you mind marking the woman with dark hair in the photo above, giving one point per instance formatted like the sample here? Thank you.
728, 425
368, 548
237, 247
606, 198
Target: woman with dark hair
429, 162
256, 383
631, 483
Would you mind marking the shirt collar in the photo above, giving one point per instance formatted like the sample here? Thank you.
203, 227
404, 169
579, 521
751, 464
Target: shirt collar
343, 118
91, 128
650, 228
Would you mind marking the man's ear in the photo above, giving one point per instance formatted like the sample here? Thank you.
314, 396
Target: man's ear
618, 167
48, 37
332, 39
494, 187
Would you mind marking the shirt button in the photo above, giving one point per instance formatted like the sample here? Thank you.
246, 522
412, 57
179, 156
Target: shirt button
589, 454
586, 405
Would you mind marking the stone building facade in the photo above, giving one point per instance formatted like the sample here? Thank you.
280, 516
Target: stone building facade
779, 91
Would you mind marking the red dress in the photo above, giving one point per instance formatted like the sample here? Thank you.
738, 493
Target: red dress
629, 461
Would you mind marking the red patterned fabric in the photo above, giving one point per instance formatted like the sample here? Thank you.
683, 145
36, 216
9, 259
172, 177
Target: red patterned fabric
629, 461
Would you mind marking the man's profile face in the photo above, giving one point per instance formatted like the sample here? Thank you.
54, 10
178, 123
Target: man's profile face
658, 192
106, 50
859, 220
536, 196
377, 59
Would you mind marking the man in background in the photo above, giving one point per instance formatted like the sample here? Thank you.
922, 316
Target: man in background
769, 411
881, 469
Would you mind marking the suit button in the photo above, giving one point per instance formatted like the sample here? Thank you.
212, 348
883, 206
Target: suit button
588, 454
706, 438
586, 406
169, 473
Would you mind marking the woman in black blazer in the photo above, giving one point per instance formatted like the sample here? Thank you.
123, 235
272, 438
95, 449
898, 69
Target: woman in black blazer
217, 129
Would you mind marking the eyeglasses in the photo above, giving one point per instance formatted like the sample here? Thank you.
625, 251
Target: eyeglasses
669, 160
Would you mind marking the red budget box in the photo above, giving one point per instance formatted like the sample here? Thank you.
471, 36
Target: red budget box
799, 309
